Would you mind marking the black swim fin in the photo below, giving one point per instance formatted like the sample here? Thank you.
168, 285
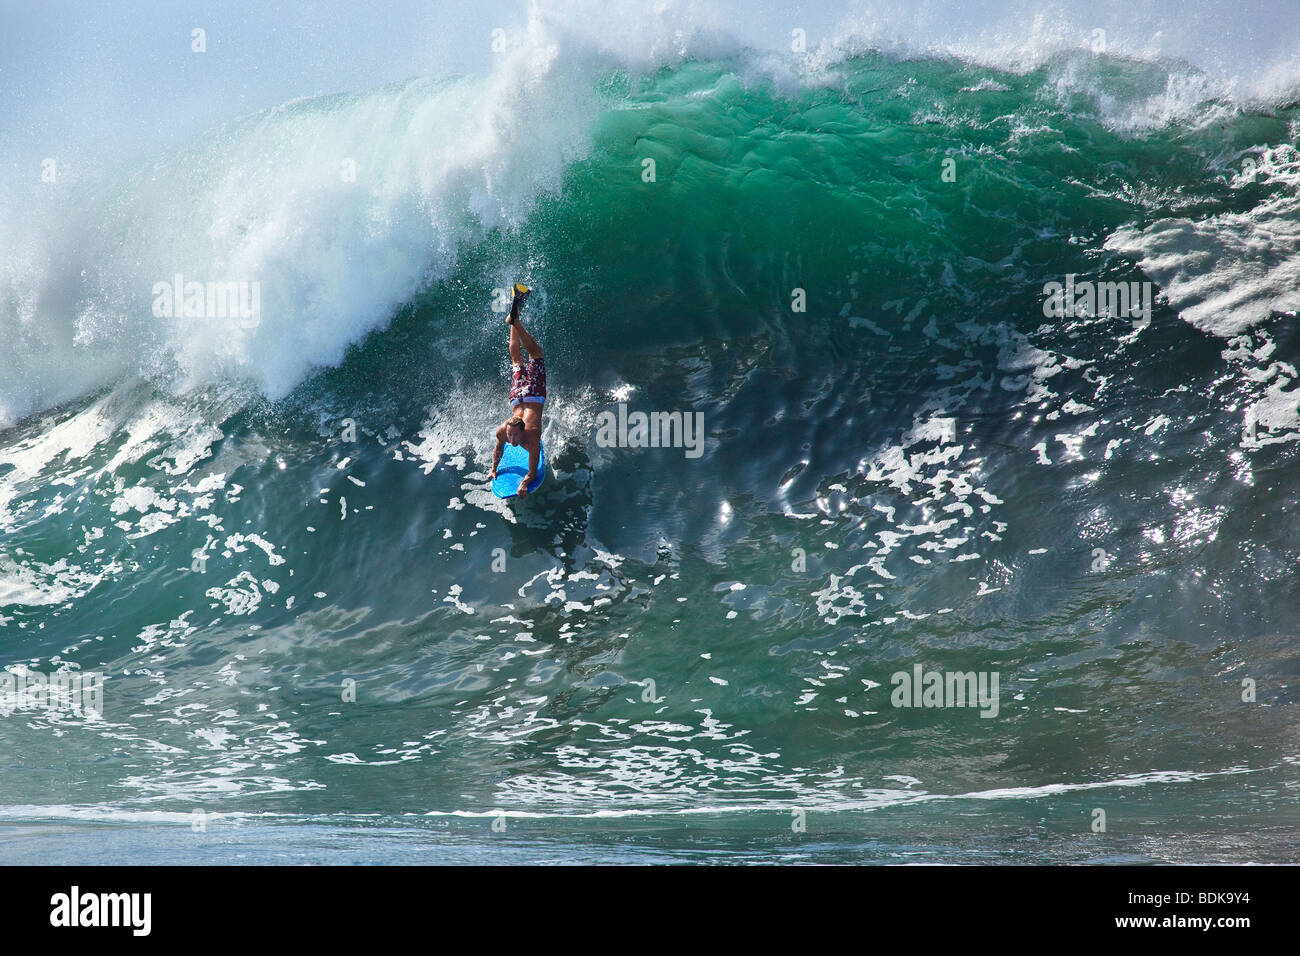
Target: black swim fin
521, 296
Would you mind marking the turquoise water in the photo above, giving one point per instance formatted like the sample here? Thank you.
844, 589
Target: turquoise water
323, 634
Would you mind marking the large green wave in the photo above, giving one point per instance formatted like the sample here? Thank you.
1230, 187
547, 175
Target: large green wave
908, 462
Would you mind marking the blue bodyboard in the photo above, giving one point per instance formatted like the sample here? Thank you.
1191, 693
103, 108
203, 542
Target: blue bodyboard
512, 468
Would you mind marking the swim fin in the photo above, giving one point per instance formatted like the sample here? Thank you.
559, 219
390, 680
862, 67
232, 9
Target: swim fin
521, 296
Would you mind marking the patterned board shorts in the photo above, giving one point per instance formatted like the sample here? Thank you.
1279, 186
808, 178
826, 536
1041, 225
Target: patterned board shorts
528, 382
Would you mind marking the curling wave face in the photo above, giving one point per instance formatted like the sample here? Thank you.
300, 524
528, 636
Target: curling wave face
275, 539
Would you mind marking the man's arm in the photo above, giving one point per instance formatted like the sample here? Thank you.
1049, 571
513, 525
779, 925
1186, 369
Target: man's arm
496, 456
534, 453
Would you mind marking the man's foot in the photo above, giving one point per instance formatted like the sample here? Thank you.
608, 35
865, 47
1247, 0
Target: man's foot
521, 296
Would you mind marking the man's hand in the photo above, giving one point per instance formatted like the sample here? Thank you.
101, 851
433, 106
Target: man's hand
523, 485
492, 475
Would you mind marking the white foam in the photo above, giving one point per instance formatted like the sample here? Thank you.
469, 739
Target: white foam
1226, 273
1209, 50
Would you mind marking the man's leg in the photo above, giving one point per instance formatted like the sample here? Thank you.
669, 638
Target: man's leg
519, 337
516, 344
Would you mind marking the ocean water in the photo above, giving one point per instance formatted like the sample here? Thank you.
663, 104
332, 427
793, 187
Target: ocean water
323, 640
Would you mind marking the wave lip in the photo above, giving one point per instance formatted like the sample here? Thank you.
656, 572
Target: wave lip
342, 208
339, 209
